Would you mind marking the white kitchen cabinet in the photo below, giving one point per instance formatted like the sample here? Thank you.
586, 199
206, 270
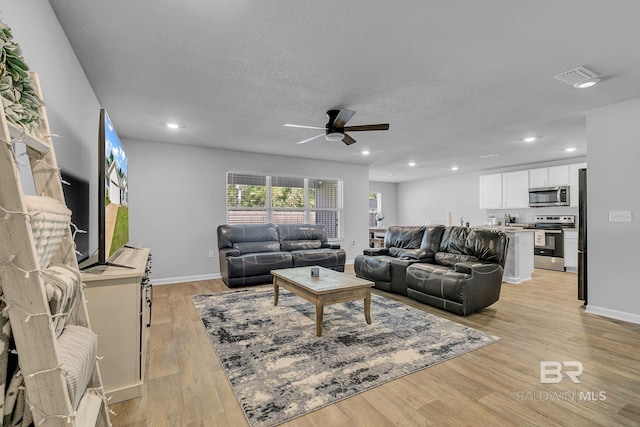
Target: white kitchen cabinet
504, 190
515, 190
491, 191
519, 264
549, 177
538, 178
571, 251
573, 183
558, 175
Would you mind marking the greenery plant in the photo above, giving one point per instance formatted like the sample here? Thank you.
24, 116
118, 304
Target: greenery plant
18, 92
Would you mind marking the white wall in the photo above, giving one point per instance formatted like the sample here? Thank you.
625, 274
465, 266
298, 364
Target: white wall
613, 175
428, 201
388, 190
72, 107
177, 198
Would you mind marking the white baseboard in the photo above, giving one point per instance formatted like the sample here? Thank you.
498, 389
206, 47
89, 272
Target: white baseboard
183, 279
171, 280
613, 314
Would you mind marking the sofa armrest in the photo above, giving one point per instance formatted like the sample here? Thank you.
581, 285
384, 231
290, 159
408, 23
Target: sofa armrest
228, 252
376, 251
476, 267
330, 245
483, 288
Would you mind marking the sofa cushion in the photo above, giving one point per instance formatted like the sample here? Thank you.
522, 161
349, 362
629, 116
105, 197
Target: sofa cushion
438, 281
409, 253
449, 260
302, 232
322, 257
375, 268
454, 240
432, 238
256, 264
407, 237
229, 234
294, 245
252, 247
488, 245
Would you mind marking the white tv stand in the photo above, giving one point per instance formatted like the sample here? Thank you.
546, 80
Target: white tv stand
119, 306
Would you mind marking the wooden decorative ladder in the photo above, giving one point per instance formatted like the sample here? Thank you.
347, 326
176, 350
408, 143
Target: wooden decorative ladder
63, 384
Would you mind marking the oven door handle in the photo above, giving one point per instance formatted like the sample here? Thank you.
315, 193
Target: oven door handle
551, 231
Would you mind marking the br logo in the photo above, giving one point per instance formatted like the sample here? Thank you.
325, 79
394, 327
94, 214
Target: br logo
551, 371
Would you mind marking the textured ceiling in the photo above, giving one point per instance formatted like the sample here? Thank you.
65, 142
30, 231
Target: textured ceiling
456, 80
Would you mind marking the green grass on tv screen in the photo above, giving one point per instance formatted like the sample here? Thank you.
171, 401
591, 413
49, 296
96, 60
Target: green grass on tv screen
121, 230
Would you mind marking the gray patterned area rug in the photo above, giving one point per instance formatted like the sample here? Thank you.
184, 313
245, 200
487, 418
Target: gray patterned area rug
279, 369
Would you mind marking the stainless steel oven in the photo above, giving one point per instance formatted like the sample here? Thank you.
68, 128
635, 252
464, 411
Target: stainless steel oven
548, 246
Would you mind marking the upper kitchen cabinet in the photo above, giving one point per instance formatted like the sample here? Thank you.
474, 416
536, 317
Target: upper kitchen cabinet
573, 183
515, 190
504, 190
549, 177
491, 191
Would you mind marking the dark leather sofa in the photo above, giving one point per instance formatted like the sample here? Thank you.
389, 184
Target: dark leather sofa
457, 269
403, 246
248, 252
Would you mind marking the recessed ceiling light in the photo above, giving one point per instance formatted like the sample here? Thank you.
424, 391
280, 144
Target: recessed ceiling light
529, 139
365, 152
570, 149
587, 84
173, 125
454, 168
412, 164
487, 156
392, 174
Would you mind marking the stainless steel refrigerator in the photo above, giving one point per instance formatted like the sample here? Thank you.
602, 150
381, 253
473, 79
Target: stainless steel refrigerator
582, 235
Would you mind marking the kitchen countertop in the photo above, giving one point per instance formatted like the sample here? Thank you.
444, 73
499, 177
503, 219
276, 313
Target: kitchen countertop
518, 228
507, 229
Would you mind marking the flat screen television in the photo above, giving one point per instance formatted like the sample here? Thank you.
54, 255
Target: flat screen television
113, 192
76, 196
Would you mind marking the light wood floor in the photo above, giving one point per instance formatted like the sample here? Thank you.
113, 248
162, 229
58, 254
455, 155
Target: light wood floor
539, 320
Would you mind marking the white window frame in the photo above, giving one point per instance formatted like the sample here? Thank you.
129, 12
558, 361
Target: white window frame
307, 209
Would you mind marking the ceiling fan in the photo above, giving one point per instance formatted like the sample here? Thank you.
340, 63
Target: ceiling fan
335, 129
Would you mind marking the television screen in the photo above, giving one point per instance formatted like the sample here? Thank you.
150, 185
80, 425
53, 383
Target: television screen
76, 196
113, 211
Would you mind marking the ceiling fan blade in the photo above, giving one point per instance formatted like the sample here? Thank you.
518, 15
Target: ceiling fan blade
289, 125
348, 140
310, 139
343, 117
381, 126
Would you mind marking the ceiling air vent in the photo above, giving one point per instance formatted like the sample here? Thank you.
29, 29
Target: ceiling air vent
576, 76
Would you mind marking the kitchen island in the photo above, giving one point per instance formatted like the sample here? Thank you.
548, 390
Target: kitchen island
519, 264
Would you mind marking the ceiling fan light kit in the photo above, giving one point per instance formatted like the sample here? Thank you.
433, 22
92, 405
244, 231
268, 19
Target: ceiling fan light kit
335, 129
334, 136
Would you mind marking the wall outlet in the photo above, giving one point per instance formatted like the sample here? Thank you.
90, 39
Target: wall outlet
353, 243
211, 253
619, 216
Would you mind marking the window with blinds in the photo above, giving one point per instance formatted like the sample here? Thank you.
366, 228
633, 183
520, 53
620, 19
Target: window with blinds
284, 200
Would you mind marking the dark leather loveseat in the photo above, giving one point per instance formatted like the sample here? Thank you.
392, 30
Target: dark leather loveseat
458, 269
248, 252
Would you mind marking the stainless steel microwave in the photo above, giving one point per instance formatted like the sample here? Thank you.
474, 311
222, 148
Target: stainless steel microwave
549, 196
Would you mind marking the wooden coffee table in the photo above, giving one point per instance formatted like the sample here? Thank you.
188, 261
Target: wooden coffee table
330, 287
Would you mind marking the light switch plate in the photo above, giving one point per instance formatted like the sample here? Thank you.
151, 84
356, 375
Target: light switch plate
619, 216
